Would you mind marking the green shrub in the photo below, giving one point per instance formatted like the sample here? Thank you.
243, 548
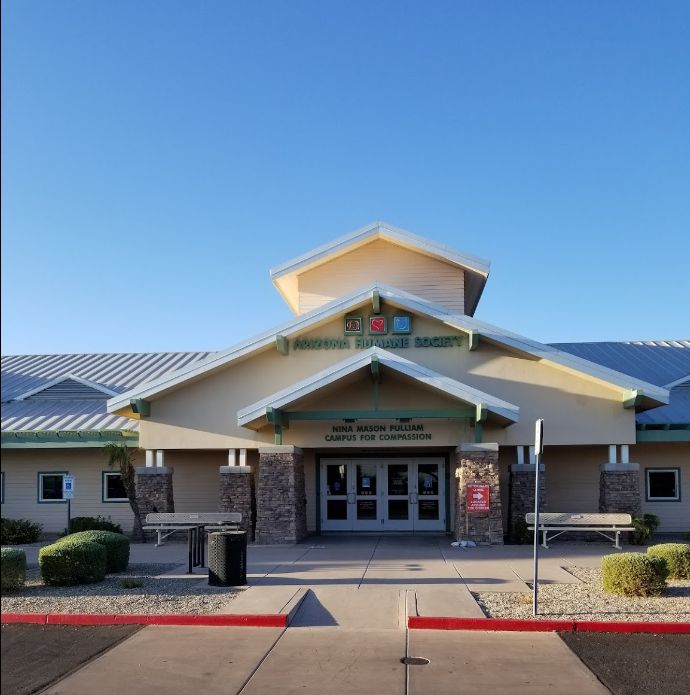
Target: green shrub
677, 556
644, 528
67, 562
13, 569
686, 537
116, 546
131, 583
92, 523
16, 531
634, 574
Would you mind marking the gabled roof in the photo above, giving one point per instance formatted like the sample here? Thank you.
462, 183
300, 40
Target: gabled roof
652, 395
505, 411
68, 387
77, 387
476, 269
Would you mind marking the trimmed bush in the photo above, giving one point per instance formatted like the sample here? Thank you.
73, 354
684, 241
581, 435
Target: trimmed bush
116, 547
67, 562
92, 523
677, 556
19, 531
644, 528
13, 569
634, 574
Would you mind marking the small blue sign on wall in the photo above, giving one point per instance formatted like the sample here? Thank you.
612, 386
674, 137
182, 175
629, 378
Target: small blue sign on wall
402, 324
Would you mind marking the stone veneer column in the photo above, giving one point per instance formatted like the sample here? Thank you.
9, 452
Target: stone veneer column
236, 494
154, 490
521, 493
281, 509
478, 463
619, 488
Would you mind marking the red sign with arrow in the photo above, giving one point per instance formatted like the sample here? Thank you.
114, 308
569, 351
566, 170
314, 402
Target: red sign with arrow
478, 498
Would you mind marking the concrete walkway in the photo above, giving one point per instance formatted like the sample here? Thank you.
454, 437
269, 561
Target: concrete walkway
268, 661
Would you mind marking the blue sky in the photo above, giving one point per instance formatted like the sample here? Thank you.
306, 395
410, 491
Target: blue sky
159, 157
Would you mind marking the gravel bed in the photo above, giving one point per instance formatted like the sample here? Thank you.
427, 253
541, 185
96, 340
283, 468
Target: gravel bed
157, 595
588, 601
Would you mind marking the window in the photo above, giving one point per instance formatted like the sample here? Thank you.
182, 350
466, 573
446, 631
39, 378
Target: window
113, 489
663, 484
50, 487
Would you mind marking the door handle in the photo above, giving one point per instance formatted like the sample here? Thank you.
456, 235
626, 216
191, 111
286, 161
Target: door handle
413, 497
351, 497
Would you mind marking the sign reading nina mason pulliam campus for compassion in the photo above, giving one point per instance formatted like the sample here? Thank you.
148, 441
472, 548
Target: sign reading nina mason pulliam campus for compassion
372, 433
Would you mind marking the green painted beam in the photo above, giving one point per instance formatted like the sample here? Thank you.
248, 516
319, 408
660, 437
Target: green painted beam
376, 301
478, 434
375, 414
481, 412
472, 339
663, 436
282, 345
140, 407
278, 430
632, 398
375, 369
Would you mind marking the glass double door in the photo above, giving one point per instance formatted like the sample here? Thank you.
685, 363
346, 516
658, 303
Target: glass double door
383, 494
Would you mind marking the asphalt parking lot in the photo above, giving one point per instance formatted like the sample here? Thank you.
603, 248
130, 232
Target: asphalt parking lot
34, 656
635, 664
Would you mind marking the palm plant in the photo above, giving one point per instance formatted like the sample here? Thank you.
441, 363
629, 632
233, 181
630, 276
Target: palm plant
121, 458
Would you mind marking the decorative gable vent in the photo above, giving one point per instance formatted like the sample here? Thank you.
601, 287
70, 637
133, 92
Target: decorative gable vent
69, 388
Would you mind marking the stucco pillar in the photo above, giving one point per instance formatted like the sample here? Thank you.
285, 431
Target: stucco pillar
236, 494
619, 488
154, 490
478, 463
281, 505
521, 493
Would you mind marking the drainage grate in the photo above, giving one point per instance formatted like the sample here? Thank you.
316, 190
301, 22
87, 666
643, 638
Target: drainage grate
415, 661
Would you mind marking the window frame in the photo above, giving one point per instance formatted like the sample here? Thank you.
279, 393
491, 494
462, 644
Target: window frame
104, 489
39, 491
662, 469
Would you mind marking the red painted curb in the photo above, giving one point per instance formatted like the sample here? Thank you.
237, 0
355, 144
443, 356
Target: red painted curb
273, 620
509, 625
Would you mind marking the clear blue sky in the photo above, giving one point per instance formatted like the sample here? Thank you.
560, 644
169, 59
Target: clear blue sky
159, 157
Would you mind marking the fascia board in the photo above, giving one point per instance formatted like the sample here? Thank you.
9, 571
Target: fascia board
60, 379
332, 374
404, 300
388, 231
523, 344
220, 359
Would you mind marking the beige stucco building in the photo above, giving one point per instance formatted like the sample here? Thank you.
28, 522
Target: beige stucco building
370, 411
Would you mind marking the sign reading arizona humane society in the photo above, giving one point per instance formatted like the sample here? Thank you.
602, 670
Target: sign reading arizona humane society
478, 498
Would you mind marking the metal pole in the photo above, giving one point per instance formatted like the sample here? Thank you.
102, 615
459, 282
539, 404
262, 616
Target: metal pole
69, 516
537, 462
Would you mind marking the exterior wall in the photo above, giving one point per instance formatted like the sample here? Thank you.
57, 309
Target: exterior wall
674, 516
411, 271
203, 414
195, 480
572, 478
21, 469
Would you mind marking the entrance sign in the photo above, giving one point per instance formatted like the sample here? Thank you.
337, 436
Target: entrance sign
478, 498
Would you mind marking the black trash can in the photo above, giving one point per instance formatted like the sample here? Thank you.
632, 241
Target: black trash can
227, 558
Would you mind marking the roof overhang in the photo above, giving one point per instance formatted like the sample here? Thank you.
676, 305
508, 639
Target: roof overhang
649, 395
254, 416
476, 269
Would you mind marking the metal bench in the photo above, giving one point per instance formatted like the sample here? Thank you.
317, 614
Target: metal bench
195, 525
581, 522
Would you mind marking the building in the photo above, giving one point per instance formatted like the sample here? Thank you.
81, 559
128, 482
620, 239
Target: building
370, 411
